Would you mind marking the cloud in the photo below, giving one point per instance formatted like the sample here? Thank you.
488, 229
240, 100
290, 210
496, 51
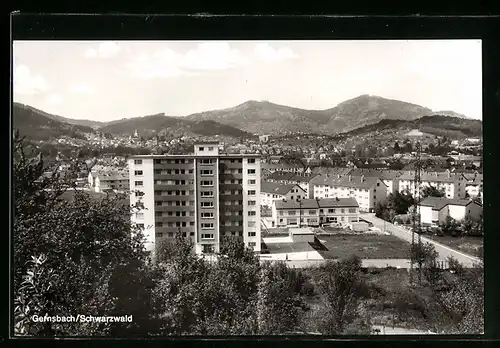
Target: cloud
105, 50
265, 52
27, 83
167, 63
54, 99
212, 56
82, 88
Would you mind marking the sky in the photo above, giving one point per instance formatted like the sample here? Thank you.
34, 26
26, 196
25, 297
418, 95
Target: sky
110, 80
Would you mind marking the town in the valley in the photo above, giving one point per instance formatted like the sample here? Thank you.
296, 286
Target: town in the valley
364, 218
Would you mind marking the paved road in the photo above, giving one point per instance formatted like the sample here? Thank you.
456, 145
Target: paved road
443, 250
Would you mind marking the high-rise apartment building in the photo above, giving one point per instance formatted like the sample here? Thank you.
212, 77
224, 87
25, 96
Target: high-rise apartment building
203, 196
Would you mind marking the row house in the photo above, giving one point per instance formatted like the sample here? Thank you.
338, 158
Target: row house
388, 177
368, 191
272, 191
315, 212
434, 210
452, 184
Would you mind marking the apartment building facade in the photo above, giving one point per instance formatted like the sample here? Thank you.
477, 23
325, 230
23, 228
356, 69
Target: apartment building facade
204, 196
315, 212
454, 185
367, 191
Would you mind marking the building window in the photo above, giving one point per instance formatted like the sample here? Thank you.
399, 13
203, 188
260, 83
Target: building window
251, 182
141, 226
137, 161
201, 148
207, 183
207, 204
251, 202
251, 192
252, 213
138, 183
352, 210
207, 236
251, 234
342, 210
207, 215
251, 223
206, 193
312, 212
138, 172
207, 225
139, 193
207, 172
251, 160
251, 171
140, 216
331, 210
206, 161
210, 148
291, 212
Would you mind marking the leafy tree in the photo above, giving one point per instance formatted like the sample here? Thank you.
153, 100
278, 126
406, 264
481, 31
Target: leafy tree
424, 255
461, 297
78, 246
397, 148
341, 284
400, 202
450, 226
431, 191
279, 306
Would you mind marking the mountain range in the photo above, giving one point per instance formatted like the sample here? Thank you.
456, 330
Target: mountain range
251, 117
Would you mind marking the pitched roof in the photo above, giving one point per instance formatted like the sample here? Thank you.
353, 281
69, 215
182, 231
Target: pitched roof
277, 176
438, 203
317, 203
276, 188
432, 176
332, 171
382, 174
345, 181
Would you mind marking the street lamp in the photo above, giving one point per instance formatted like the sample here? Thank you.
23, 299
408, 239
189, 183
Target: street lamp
300, 212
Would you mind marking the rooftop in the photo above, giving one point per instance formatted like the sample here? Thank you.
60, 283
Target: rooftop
438, 203
433, 176
191, 155
317, 203
276, 188
345, 181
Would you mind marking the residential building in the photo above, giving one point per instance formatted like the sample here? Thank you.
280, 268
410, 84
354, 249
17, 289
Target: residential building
272, 191
284, 168
114, 181
204, 196
315, 212
287, 178
434, 210
367, 191
389, 177
452, 184
474, 185
263, 138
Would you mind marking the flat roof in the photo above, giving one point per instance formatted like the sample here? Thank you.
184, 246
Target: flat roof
199, 156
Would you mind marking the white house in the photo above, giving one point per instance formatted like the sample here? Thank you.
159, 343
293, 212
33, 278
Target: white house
287, 178
315, 212
118, 181
367, 191
452, 183
272, 191
389, 177
434, 210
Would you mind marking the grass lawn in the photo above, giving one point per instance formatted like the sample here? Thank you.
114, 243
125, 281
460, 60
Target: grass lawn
364, 246
469, 245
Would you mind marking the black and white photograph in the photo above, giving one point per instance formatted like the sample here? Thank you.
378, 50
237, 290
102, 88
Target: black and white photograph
247, 188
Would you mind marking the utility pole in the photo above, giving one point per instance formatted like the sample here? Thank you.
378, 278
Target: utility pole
416, 217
